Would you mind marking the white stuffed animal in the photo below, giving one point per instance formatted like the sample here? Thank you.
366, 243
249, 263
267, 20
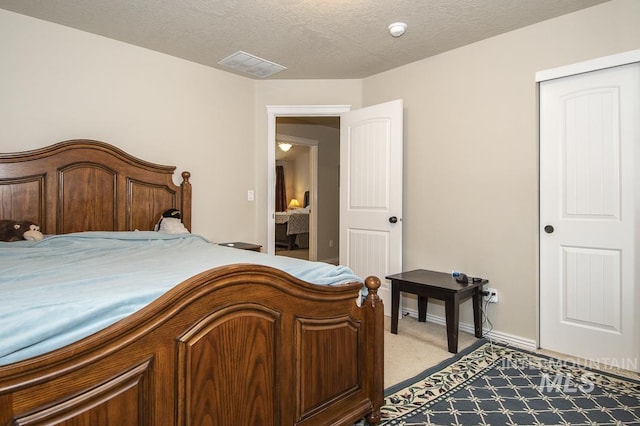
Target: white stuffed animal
171, 223
32, 232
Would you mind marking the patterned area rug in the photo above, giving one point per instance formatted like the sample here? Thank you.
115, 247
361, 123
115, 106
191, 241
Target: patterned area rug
493, 384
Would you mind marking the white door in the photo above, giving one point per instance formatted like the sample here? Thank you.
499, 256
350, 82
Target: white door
590, 215
371, 142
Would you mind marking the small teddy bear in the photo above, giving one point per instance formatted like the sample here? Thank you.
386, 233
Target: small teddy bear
31, 231
13, 230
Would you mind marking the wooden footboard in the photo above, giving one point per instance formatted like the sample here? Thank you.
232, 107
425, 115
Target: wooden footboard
239, 345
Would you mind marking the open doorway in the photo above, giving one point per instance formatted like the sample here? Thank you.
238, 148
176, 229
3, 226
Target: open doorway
322, 125
296, 178
307, 219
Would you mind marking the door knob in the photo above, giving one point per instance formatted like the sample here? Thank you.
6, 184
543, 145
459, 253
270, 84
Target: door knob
548, 229
393, 219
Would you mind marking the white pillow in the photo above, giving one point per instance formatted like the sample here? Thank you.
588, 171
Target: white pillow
170, 225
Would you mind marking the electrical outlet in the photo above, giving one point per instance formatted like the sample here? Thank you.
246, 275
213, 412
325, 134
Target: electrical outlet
490, 295
330, 243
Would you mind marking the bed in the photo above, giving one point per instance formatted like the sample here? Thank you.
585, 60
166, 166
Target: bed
292, 229
243, 342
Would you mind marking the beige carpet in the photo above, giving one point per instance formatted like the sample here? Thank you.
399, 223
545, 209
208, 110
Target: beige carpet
419, 346
416, 347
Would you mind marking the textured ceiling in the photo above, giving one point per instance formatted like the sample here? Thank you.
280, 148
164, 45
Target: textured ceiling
314, 39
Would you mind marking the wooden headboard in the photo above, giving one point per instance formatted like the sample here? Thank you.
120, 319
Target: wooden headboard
86, 185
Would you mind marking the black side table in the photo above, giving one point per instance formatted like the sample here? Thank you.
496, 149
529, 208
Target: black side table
441, 286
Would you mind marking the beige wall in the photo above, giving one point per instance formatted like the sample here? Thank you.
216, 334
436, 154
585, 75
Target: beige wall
302, 175
471, 166
57, 83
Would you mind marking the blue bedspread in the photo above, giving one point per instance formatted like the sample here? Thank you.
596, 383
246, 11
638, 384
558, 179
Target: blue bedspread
66, 287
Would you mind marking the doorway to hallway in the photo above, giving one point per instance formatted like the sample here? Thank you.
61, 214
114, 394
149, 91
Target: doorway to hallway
299, 125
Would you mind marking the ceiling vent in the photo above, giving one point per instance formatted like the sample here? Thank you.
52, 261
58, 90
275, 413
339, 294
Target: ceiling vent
250, 64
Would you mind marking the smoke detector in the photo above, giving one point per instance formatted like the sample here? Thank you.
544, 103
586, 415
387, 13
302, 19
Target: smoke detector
397, 29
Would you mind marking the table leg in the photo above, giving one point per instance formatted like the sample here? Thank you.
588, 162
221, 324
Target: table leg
422, 308
395, 306
452, 313
477, 312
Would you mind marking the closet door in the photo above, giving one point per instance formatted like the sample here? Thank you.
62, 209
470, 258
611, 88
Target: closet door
589, 220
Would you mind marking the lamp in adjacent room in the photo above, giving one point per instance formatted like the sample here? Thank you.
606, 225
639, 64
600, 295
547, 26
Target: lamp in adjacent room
294, 204
284, 146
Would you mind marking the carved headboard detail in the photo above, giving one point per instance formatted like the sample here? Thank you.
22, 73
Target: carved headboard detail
86, 185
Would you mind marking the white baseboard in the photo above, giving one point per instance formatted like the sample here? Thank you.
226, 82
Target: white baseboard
333, 261
498, 336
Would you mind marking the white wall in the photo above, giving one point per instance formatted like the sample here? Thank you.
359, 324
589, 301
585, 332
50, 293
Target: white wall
471, 151
58, 83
